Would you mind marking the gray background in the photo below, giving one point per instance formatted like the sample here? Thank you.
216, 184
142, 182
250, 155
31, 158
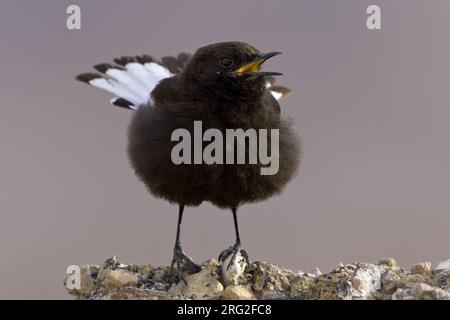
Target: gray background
372, 107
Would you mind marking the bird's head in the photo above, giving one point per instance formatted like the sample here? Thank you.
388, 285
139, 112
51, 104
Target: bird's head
229, 69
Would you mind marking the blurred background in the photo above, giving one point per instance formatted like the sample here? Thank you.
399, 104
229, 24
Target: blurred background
372, 108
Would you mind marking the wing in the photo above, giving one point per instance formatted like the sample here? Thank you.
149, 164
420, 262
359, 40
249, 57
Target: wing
132, 78
277, 91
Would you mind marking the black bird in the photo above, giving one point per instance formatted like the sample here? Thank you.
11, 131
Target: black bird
222, 86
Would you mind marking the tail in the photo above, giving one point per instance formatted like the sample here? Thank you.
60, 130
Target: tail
130, 79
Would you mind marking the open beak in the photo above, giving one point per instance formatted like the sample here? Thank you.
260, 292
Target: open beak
252, 68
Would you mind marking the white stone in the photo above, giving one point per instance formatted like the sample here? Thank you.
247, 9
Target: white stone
444, 265
367, 280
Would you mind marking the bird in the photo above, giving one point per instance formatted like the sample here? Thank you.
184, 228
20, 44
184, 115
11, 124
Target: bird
223, 86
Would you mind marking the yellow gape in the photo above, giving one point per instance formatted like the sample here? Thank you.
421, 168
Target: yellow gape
251, 67
255, 65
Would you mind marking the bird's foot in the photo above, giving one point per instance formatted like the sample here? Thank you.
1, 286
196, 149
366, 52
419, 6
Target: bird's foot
180, 263
233, 250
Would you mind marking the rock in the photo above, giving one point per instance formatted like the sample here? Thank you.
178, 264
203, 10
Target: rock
441, 279
354, 281
233, 273
161, 274
275, 278
211, 264
336, 285
316, 272
366, 281
202, 285
106, 267
303, 288
134, 294
175, 290
259, 284
262, 280
424, 291
421, 291
423, 268
389, 281
389, 262
272, 295
161, 286
146, 271
119, 278
411, 279
238, 292
444, 265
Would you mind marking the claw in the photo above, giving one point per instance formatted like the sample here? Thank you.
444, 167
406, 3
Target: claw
181, 262
234, 250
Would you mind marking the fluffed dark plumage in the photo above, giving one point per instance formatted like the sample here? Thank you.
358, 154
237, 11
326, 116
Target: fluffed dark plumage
198, 93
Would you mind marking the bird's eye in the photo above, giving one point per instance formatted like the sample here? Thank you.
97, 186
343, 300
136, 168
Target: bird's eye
226, 62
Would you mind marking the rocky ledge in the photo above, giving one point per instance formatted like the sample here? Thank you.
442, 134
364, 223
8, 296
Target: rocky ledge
261, 280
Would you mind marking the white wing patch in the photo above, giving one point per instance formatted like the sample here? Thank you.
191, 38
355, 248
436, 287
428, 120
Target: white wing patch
277, 91
277, 95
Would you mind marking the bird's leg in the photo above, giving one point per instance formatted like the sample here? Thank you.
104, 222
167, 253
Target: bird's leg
181, 262
236, 248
